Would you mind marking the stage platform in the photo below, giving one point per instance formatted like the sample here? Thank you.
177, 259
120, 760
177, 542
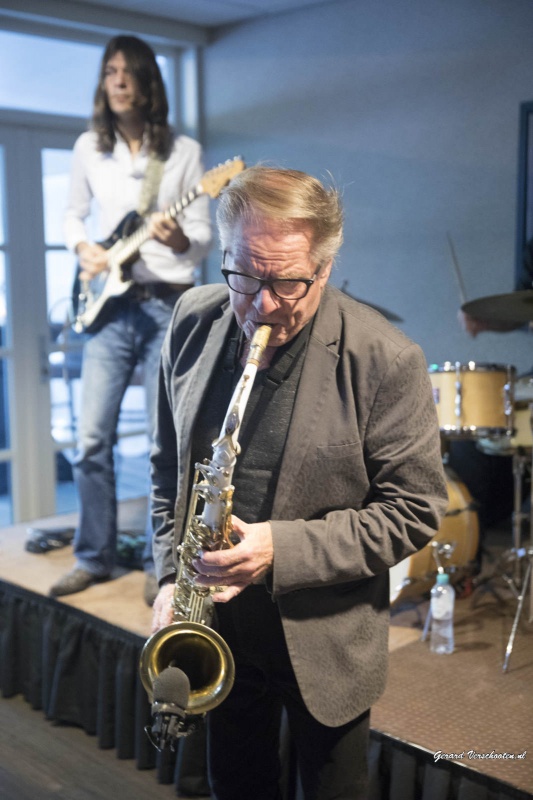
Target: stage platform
75, 660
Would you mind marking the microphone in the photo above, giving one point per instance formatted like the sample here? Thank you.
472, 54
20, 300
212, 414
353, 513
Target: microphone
171, 690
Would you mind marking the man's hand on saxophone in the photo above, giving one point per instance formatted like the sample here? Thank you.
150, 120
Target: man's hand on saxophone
163, 611
235, 569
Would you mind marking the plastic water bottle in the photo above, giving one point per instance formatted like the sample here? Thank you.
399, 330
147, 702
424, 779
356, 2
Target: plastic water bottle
442, 603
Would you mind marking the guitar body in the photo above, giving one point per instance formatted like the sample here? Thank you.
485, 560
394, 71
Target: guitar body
93, 300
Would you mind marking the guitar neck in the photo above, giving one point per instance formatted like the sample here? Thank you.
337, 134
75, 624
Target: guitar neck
131, 245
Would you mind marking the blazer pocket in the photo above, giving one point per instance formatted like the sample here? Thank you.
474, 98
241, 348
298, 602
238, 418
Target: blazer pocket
348, 450
336, 478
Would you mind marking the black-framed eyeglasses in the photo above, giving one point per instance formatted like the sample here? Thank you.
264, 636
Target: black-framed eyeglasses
284, 288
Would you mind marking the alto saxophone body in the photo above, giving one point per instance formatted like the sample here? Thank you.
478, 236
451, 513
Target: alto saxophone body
190, 643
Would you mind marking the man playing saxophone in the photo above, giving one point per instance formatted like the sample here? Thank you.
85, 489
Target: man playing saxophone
338, 478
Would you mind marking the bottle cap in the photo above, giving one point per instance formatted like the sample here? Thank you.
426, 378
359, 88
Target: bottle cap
443, 577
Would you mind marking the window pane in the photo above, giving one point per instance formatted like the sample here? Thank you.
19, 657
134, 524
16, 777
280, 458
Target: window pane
59, 77
4, 427
56, 174
39, 81
65, 387
6, 510
2, 198
3, 301
56, 179
60, 271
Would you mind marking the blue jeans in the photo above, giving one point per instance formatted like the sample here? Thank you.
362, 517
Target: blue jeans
133, 335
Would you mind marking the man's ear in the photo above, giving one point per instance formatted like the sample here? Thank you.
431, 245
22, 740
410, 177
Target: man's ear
325, 273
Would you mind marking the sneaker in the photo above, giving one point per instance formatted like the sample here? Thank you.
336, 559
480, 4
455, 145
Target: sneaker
75, 581
151, 589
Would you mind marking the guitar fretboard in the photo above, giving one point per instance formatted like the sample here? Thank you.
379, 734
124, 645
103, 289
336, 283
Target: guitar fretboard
132, 244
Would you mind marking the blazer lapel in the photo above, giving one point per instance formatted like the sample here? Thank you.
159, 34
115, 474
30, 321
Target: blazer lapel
194, 390
317, 372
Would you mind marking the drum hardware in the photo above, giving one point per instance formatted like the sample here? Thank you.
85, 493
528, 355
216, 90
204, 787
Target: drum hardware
519, 467
519, 553
525, 553
510, 567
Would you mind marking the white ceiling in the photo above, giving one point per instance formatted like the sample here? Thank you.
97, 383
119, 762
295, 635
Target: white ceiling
208, 13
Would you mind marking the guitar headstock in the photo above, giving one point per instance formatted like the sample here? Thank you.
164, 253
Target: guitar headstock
215, 179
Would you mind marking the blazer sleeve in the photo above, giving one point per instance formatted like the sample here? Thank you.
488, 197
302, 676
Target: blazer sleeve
405, 493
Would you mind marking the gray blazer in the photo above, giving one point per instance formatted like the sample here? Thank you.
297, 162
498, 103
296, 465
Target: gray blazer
361, 484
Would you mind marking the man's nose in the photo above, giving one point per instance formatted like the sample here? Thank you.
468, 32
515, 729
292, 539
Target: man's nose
265, 300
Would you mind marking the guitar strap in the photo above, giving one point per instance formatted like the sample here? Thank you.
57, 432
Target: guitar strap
151, 183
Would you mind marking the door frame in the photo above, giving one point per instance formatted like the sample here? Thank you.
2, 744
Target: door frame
32, 451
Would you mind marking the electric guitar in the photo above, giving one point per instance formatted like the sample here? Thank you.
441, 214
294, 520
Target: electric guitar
92, 298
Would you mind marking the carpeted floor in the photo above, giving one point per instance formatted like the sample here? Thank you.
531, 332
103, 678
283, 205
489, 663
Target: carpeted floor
463, 703
119, 601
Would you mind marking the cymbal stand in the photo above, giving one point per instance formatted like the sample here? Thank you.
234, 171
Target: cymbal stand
516, 553
522, 553
513, 556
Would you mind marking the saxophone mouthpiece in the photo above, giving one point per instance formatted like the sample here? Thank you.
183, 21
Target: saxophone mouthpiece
259, 343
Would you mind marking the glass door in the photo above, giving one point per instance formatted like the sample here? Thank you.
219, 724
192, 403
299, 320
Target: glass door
28, 453
5, 353
40, 355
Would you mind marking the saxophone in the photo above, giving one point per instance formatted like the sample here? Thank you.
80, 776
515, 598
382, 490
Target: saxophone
199, 653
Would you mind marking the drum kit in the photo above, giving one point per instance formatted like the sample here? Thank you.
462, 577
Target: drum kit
487, 404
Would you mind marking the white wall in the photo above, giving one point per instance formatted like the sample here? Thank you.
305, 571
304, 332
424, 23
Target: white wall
413, 106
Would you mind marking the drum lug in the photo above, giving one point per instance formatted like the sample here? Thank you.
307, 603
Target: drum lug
458, 392
508, 395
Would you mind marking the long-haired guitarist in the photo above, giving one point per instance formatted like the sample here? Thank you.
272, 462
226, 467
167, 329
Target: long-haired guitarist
130, 161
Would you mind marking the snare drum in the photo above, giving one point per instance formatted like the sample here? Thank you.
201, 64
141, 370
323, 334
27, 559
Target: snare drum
460, 527
473, 400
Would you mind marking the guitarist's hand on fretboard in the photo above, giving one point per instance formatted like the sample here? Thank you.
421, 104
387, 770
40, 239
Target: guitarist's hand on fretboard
167, 231
92, 260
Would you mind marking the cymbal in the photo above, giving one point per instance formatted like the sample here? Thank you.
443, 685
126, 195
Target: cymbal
390, 315
514, 307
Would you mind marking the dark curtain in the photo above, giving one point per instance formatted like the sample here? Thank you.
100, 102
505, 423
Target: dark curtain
82, 671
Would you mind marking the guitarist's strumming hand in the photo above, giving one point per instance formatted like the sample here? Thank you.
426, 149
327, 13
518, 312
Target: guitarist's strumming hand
167, 231
92, 259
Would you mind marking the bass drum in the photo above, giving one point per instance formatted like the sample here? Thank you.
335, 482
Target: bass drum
415, 575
